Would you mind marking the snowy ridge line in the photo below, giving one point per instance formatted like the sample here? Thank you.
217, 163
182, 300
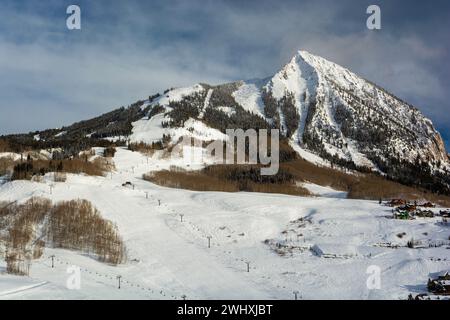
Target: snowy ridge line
372, 108
111, 277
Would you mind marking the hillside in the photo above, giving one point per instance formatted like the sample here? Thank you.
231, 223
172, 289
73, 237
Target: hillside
329, 116
321, 246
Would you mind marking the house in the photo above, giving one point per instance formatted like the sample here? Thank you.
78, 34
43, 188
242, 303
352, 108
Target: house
402, 215
445, 213
427, 205
441, 285
408, 207
397, 202
424, 213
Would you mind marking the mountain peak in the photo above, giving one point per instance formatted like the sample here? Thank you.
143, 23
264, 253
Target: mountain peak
322, 108
305, 54
331, 111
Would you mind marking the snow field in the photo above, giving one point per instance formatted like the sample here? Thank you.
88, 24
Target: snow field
168, 258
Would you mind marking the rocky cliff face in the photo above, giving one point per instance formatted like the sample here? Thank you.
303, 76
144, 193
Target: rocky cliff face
327, 110
344, 116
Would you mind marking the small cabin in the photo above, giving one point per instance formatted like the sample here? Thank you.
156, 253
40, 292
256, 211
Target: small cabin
408, 207
427, 205
424, 213
441, 285
445, 213
397, 202
402, 215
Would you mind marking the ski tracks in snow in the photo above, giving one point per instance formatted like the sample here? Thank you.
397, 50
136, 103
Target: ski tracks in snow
195, 270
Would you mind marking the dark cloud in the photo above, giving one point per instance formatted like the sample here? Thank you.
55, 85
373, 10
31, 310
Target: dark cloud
127, 50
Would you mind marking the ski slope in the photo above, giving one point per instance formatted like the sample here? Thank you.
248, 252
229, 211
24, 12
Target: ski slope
169, 258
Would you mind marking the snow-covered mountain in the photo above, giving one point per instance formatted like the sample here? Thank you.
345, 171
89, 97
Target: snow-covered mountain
342, 114
329, 114
324, 109
184, 244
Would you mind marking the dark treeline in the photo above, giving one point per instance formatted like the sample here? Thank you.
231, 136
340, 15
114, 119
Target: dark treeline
69, 147
26, 170
80, 135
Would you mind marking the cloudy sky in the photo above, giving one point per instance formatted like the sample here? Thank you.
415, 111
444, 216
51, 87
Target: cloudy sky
127, 50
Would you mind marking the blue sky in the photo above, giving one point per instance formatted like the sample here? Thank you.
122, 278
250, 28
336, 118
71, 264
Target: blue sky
127, 50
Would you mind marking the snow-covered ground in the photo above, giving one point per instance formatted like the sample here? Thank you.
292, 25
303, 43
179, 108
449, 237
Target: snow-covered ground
322, 191
169, 258
10, 155
248, 96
